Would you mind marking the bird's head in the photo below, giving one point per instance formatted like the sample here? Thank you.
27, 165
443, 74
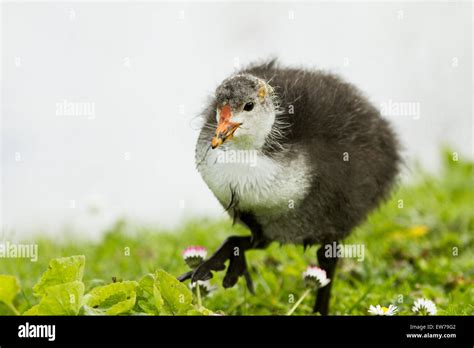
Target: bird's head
245, 111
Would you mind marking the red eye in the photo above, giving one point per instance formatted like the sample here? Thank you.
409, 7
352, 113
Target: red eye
248, 106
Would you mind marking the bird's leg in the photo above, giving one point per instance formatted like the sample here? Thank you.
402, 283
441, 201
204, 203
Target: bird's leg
324, 294
233, 249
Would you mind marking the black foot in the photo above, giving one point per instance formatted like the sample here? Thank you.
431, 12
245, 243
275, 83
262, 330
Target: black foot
233, 249
324, 294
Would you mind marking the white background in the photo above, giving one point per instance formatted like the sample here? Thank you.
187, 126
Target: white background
149, 67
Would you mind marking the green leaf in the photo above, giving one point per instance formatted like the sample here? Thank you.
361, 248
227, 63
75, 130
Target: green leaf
200, 311
9, 287
145, 297
194, 312
145, 285
160, 304
171, 295
61, 270
62, 299
146, 307
33, 311
111, 299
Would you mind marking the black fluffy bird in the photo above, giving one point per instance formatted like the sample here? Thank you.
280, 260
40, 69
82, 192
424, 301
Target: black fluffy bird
298, 156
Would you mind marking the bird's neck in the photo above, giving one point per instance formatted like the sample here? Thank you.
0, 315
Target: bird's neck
247, 142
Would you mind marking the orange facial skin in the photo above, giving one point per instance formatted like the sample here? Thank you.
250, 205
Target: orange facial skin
225, 127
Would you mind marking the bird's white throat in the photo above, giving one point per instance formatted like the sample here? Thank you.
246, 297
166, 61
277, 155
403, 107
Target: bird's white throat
259, 182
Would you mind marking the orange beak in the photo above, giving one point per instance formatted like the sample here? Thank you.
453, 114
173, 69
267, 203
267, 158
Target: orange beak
225, 128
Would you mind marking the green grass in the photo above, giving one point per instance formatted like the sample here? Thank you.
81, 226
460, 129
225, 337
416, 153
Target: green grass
410, 252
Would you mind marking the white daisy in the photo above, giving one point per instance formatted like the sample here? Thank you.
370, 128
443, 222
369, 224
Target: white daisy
315, 277
380, 310
194, 255
205, 287
423, 306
